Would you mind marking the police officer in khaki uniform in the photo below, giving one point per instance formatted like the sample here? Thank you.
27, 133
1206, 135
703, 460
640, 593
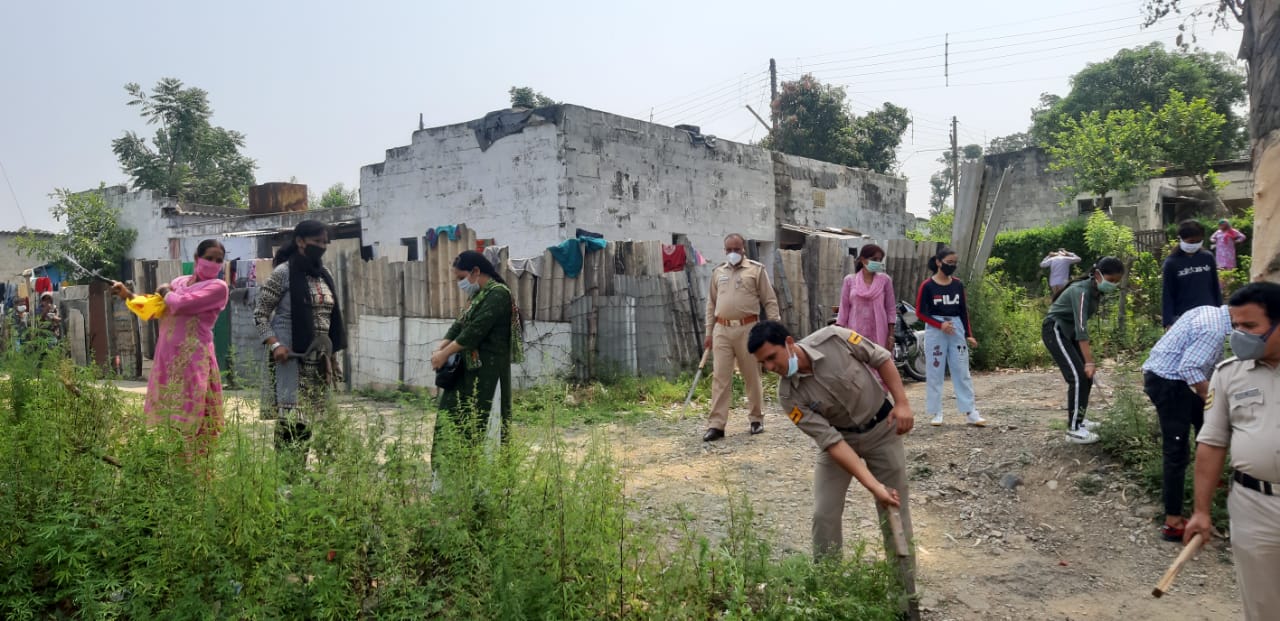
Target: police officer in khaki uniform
1242, 413
828, 391
739, 287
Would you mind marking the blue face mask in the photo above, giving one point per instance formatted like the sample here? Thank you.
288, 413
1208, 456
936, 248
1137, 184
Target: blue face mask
793, 364
875, 267
468, 287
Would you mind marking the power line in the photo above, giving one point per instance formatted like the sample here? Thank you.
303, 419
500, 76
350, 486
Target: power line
963, 85
852, 63
701, 109
1055, 49
979, 29
698, 107
700, 92
13, 194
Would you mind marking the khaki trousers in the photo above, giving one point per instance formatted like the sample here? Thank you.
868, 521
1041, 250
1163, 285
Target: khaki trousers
1255, 544
883, 451
729, 346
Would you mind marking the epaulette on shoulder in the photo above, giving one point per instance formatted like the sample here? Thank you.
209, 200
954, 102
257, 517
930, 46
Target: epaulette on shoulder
1226, 362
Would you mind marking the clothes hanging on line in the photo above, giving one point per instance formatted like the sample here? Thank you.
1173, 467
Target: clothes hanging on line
673, 258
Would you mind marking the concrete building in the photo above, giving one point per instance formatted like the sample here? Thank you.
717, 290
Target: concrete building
12, 262
1036, 201
531, 178
169, 229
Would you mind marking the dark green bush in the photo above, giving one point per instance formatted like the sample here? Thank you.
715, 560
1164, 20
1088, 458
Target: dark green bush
1022, 251
1006, 321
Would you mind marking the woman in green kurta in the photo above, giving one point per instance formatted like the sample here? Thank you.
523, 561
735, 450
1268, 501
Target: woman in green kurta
487, 334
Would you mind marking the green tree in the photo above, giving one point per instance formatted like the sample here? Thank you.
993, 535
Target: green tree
525, 97
941, 183
1142, 77
1016, 141
1105, 153
813, 120
93, 236
1188, 132
336, 196
189, 158
1260, 26
876, 136
936, 228
1106, 237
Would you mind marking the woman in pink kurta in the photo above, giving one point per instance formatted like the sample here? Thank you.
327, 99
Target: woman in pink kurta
867, 305
185, 387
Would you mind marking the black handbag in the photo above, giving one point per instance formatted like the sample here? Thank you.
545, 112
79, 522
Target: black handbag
449, 375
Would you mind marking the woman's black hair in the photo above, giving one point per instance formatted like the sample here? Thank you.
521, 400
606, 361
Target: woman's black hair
468, 260
207, 244
1190, 228
304, 230
934, 260
867, 251
1106, 266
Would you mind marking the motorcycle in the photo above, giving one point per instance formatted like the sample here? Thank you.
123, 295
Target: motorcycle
908, 343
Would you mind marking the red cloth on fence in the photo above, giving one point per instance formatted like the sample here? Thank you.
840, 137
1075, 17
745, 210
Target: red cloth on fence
43, 284
673, 258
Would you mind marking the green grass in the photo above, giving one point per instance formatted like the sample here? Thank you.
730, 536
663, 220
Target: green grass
627, 399
1130, 432
104, 517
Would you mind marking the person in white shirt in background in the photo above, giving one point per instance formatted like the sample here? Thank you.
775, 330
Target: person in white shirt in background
1059, 263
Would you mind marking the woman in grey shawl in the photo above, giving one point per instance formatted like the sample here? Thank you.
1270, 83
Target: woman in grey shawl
298, 317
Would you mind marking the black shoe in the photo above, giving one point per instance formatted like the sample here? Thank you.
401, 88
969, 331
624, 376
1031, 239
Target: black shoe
712, 435
757, 428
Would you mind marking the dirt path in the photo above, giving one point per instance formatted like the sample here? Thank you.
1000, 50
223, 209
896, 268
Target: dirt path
1075, 540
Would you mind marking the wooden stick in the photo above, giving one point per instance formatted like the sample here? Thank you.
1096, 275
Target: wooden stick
1189, 550
899, 537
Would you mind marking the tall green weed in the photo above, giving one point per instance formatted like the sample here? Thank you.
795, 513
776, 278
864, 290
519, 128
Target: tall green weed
103, 517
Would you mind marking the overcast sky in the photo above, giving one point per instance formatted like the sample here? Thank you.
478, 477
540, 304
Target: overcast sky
321, 88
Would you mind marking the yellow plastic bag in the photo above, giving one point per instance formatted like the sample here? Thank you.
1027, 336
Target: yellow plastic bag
147, 307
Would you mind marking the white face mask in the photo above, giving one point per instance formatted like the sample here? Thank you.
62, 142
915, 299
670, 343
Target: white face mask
735, 258
468, 288
1191, 248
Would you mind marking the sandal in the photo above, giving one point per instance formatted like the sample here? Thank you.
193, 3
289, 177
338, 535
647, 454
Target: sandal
1172, 533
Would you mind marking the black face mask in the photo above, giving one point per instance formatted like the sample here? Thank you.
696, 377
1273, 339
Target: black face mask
313, 252
948, 269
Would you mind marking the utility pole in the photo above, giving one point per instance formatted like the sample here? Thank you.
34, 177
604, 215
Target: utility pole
773, 90
955, 167
946, 58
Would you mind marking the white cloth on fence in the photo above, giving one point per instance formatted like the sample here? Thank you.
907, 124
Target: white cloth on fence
492, 254
532, 265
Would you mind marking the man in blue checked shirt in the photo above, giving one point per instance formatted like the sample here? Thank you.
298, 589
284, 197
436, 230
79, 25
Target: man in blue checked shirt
1176, 379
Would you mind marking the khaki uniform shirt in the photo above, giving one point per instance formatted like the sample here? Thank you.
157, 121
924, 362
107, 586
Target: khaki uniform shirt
740, 291
840, 391
1242, 412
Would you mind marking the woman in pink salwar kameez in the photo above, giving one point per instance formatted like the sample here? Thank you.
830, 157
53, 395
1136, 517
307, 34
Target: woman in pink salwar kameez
867, 305
185, 387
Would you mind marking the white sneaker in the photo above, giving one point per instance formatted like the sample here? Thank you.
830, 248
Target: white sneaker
936, 420
1082, 436
1089, 425
975, 419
